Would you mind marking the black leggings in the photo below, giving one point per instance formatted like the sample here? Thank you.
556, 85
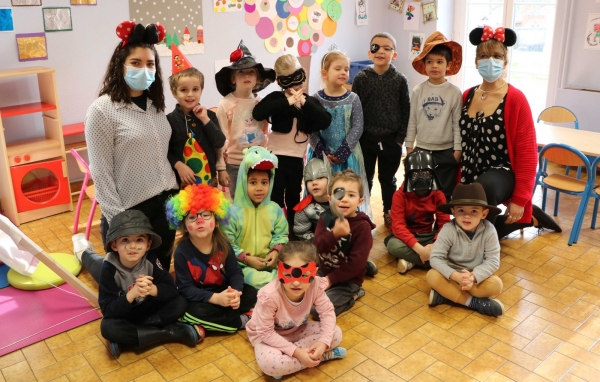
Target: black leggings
498, 185
287, 185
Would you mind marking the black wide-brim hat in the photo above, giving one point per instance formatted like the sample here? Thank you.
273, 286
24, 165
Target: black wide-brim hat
130, 222
468, 195
241, 58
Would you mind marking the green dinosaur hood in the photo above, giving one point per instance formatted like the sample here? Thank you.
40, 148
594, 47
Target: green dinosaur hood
256, 158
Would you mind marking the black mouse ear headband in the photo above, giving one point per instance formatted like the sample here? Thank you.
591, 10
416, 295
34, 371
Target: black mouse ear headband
506, 36
129, 31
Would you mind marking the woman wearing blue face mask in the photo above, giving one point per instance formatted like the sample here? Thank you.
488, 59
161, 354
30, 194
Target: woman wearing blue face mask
128, 134
498, 137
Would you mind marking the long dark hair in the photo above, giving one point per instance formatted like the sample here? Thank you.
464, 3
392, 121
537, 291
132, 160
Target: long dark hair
114, 82
220, 243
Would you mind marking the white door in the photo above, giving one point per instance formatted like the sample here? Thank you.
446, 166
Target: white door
529, 59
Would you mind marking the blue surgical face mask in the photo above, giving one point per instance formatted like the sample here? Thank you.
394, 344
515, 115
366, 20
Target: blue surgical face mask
139, 78
490, 69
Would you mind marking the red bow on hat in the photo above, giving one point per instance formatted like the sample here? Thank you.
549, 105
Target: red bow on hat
489, 33
236, 55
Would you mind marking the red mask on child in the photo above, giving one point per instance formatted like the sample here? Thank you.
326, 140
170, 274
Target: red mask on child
304, 274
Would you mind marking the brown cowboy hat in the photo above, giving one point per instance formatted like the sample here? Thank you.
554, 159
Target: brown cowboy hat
468, 195
241, 58
435, 39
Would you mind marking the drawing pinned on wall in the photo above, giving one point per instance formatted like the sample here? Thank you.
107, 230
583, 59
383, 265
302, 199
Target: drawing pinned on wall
228, 5
429, 11
57, 19
362, 12
296, 27
6, 20
83, 2
24, 3
32, 46
416, 45
396, 5
182, 19
412, 16
592, 32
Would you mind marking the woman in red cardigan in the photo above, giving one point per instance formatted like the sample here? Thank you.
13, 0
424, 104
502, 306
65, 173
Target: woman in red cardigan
499, 148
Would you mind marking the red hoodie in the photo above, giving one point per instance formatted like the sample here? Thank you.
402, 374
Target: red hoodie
412, 214
344, 259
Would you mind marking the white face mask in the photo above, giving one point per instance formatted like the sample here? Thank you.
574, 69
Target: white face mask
139, 78
490, 69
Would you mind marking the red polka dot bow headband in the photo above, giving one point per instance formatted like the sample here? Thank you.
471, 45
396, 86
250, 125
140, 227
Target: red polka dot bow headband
506, 36
129, 31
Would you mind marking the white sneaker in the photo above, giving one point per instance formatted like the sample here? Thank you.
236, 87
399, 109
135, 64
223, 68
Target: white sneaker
404, 266
80, 244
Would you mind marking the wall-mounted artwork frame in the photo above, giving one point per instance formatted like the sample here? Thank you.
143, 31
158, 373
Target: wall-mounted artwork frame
25, 3
429, 11
57, 19
32, 46
84, 2
6, 20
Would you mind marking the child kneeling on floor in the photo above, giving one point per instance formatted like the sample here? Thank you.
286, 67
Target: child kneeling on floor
138, 299
466, 254
284, 340
208, 275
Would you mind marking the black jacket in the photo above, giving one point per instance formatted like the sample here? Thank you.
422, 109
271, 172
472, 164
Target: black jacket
209, 136
275, 108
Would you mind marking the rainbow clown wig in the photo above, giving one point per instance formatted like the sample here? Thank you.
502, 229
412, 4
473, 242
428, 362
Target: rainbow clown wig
194, 199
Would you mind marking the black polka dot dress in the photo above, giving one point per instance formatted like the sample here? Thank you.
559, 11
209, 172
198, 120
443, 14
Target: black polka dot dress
483, 142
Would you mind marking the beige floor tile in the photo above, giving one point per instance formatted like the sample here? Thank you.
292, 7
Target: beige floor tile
338, 367
101, 360
61, 368
205, 356
153, 376
556, 318
531, 327
570, 336
402, 309
235, 369
555, 367
351, 376
515, 355
167, 365
76, 347
376, 372
484, 366
521, 310
469, 326
547, 303
348, 321
409, 344
497, 377
38, 355
85, 374
443, 336
374, 317
375, 334
542, 346
446, 355
585, 372
312, 374
240, 347
350, 338
59, 340
475, 345
447, 373
11, 358
203, 374
590, 328
434, 317
578, 354
413, 365
382, 356
517, 373
425, 377
18, 372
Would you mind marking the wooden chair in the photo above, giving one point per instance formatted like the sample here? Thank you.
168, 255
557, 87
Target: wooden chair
567, 156
86, 189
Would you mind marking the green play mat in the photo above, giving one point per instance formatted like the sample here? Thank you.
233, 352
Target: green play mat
42, 272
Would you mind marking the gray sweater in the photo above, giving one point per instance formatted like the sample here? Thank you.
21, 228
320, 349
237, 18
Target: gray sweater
434, 117
454, 251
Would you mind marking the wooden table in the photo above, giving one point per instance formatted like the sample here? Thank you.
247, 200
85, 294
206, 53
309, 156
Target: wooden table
588, 142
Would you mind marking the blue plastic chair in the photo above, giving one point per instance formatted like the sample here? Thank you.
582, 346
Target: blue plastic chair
595, 192
567, 156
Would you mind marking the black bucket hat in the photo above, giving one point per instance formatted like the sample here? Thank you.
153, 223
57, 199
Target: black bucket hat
241, 58
468, 195
130, 222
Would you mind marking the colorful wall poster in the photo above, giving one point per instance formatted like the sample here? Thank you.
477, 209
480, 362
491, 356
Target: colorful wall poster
22, 3
412, 16
592, 32
297, 27
32, 46
362, 12
228, 5
416, 45
57, 19
6, 20
83, 2
182, 19
396, 5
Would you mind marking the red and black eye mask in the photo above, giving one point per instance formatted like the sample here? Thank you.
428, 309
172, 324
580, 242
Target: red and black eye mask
304, 274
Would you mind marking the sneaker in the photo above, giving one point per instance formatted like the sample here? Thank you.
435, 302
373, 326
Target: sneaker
361, 293
487, 306
335, 353
277, 377
404, 266
114, 348
437, 299
200, 331
371, 269
545, 220
80, 244
387, 219
245, 317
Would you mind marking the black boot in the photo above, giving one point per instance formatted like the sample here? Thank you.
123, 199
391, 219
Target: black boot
176, 332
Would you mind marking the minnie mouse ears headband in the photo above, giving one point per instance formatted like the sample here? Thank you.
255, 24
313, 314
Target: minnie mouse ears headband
506, 36
129, 31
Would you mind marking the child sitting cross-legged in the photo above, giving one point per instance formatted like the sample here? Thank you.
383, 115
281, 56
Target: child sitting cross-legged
256, 226
284, 340
416, 221
343, 240
208, 275
138, 299
466, 254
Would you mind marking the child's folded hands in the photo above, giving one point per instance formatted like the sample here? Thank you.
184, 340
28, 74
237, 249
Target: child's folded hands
304, 357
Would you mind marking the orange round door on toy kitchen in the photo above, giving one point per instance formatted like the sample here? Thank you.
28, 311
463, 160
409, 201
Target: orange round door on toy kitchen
39, 185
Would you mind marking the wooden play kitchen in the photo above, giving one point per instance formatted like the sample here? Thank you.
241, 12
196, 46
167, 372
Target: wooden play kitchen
33, 172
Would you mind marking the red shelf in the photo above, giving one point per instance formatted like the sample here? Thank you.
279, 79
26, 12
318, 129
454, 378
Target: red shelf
29, 108
73, 129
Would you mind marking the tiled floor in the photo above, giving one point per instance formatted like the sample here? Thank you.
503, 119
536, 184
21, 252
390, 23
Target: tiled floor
550, 330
